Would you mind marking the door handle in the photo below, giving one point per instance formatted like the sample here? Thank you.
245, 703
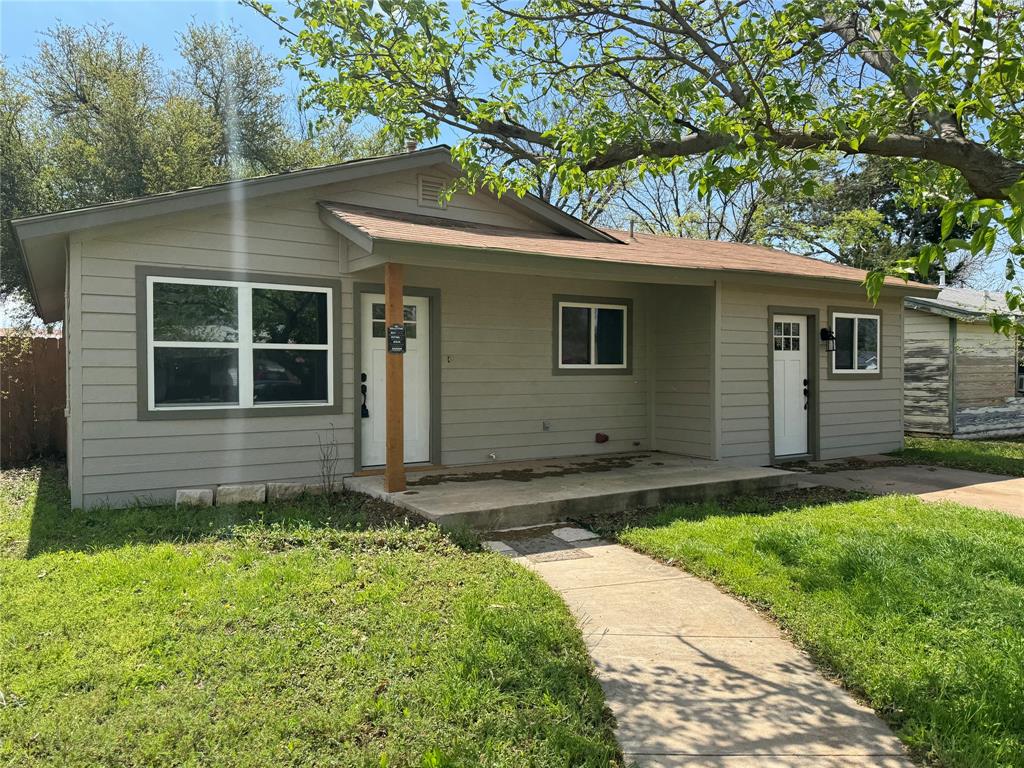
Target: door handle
364, 412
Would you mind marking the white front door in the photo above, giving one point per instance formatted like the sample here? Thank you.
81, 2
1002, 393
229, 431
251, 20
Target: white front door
417, 379
791, 385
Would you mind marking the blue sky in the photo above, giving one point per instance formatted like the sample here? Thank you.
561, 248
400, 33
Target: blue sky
156, 23
142, 21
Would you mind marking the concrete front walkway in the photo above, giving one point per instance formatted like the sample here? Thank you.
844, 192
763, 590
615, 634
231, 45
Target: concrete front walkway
975, 489
693, 676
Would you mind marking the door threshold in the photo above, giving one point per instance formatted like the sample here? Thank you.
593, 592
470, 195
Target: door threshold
419, 467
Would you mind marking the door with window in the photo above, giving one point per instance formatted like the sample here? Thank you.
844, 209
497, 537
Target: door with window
416, 315
791, 385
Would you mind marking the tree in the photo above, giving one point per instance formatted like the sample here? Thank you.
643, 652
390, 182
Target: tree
94, 118
740, 84
668, 205
240, 85
858, 217
24, 152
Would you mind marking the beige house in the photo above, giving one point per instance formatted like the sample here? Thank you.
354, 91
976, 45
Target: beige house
960, 378
220, 335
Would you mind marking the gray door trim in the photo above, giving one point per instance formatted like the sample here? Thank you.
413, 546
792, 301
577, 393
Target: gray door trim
813, 377
434, 295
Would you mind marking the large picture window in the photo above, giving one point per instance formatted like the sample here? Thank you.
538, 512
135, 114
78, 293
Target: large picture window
592, 335
229, 344
858, 343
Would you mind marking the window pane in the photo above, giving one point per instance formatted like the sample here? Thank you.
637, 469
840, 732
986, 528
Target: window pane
183, 376
867, 344
575, 335
284, 375
844, 343
410, 330
409, 312
289, 317
378, 329
611, 328
378, 311
184, 312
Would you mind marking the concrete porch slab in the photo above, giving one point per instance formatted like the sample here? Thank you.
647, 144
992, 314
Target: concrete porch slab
500, 496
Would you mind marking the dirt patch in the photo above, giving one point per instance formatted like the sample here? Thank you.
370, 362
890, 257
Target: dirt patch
528, 474
841, 465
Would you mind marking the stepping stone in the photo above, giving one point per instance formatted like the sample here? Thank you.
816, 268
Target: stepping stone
574, 534
500, 547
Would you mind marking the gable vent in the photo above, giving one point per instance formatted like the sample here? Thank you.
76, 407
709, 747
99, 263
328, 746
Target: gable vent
430, 191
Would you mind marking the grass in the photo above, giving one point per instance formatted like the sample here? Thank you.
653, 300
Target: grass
1001, 457
312, 633
918, 607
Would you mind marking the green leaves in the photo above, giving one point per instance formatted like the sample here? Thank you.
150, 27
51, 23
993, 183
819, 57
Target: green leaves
579, 90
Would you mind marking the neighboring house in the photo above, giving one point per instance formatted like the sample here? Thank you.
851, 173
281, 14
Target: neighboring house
217, 335
960, 377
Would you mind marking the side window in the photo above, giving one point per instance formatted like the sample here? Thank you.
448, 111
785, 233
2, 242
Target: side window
858, 343
592, 335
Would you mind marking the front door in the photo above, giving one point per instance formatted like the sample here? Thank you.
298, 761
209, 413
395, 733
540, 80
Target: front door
791, 385
417, 379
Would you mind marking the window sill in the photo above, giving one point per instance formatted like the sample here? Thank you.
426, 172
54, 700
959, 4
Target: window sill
213, 412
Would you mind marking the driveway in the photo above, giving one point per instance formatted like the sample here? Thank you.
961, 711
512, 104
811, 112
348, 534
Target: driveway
975, 489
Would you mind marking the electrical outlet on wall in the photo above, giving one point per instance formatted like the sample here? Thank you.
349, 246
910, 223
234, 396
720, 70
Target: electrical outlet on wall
545, 425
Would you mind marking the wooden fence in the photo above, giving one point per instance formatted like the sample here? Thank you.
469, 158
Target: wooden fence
32, 397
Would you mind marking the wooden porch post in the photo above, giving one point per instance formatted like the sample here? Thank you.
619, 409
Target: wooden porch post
394, 469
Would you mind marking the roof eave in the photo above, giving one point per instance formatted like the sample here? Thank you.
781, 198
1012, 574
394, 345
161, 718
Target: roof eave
29, 227
956, 313
384, 246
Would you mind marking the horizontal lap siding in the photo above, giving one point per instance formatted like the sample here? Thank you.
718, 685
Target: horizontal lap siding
856, 416
683, 334
497, 383
400, 192
123, 459
926, 372
120, 459
985, 366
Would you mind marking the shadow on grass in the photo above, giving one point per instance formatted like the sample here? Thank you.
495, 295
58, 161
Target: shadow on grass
56, 527
753, 504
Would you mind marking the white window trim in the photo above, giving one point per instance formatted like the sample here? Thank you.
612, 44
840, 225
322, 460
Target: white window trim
244, 345
593, 307
857, 317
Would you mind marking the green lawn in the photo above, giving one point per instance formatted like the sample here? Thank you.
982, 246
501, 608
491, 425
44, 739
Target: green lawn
919, 607
1002, 457
301, 634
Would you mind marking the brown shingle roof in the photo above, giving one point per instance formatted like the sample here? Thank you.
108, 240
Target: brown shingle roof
654, 250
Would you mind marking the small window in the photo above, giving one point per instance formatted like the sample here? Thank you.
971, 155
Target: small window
408, 315
592, 335
430, 190
786, 337
858, 343
218, 343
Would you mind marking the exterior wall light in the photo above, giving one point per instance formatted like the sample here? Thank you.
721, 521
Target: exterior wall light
828, 339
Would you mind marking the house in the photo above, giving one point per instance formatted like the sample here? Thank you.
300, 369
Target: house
960, 378
218, 335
